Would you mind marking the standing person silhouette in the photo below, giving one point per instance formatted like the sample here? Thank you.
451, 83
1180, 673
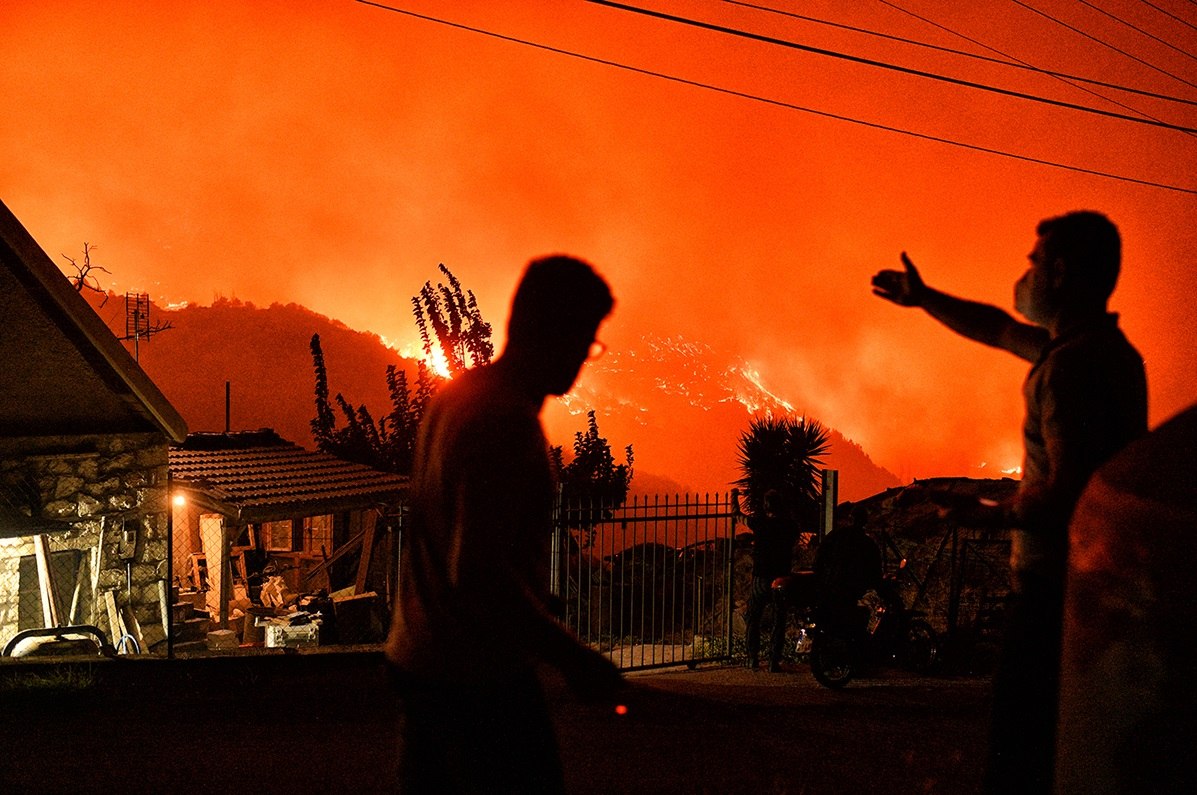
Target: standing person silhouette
847, 565
773, 537
1086, 398
471, 619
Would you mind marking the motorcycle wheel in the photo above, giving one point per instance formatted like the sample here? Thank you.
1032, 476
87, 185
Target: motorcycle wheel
920, 650
831, 662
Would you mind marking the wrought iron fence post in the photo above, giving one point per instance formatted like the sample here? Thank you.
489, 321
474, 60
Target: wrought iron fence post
637, 553
555, 547
730, 590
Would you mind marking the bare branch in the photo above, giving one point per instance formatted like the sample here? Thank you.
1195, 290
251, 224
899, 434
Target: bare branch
84, 279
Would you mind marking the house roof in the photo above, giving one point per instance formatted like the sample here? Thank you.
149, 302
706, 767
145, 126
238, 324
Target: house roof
64, 372
259, 477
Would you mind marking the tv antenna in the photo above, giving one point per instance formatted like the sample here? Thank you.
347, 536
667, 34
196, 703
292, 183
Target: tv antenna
137, 321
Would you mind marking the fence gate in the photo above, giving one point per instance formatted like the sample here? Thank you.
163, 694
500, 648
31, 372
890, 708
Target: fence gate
649, 583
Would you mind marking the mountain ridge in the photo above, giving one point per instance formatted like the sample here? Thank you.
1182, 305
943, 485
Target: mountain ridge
680, 403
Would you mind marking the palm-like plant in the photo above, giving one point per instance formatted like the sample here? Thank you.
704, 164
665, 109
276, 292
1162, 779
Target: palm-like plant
783, 454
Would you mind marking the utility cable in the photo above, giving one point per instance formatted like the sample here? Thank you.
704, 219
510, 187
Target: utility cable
775, 102
1169, 14
1006, 60
884, 65
1091, 37
1138, 29
1064, 80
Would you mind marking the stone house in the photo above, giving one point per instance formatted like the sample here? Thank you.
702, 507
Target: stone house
84, 437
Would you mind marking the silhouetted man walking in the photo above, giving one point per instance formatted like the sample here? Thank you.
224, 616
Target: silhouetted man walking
1086, 398
471, 618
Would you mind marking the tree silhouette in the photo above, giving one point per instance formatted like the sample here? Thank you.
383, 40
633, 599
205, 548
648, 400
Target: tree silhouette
399, 429
388, 444
450, 321
84, 279
783, 454
592, 484
324, 426
451, 318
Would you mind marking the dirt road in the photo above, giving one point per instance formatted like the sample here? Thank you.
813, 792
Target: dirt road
326, 724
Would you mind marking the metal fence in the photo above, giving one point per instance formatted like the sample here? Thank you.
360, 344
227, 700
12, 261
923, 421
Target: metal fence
648, 583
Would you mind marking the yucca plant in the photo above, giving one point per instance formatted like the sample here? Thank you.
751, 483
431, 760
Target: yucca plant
783, 453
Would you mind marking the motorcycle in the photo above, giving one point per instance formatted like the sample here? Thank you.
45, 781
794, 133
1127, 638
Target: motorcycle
877, 630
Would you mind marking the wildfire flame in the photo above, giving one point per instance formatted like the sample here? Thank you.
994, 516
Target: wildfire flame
436, 362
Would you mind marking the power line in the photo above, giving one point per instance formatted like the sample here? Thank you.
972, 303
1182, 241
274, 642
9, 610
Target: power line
1169, 14
775, 102
888, 66
1065, 80
1134, 27
1103, 43
1004, 61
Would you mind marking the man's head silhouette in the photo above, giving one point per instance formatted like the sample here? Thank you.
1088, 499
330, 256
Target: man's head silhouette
1073, 267
555, 314
1090, 247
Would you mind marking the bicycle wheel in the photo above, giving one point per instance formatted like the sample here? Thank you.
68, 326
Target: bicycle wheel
920, 647
831, 661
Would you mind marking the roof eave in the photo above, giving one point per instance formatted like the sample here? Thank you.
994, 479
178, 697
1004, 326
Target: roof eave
151, 399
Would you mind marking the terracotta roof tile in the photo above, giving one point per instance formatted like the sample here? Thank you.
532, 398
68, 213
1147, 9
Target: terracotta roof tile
280, 478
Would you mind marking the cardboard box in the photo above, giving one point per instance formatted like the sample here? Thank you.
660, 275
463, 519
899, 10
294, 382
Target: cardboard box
280, 635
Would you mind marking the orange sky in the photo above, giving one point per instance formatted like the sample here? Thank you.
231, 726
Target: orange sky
331, 154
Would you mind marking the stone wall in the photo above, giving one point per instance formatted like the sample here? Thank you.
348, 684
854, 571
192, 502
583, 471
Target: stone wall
108, 494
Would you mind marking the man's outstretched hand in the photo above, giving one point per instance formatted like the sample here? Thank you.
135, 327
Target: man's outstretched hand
904, 287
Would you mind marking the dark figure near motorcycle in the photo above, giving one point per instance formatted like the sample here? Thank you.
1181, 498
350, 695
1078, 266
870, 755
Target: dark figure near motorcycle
856, 617
773, 537
847, 565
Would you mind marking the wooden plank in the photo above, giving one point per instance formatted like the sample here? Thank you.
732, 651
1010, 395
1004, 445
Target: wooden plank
133, 627
77, 595
363, 565
341, 552
316, 577
96, 556
199, 571
216, 554
45, 581
116, 625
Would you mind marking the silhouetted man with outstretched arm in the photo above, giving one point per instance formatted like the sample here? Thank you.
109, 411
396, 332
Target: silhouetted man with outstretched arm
1086, 398
471, 619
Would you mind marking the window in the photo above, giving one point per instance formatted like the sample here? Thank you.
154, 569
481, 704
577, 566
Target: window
318, 535
277, 536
